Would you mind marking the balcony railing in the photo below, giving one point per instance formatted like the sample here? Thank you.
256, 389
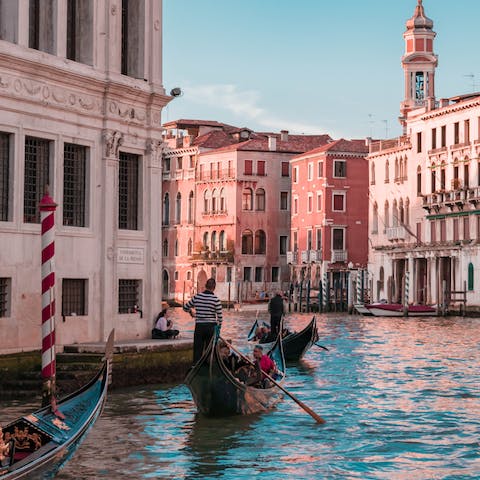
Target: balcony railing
216, 256
403, 141
396, 233
452, 199
292, 257
339, 256
223, 174
311, 256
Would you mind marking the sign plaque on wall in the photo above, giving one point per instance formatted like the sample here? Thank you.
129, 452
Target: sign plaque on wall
131, 255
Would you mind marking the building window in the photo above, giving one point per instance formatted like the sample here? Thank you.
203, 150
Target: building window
375, 218
319, 239
283, 244
443, 177
456, 233
37, 176
34, 24
165, 284
466, 228
207, 197
285, 169
190, 208
223, 201
470, 277
319, 202
443, 230
248, 167
338, 239
166, 164
339, 168
387, 171
309, 239
260, 200
259, 274
338, 203
295, 174
166, 209
295, 241
444, 136
275, 274
205, 241
213, 241
433, 231
419, 181
74, 296
132, 45
179, 163
372, 174
178, 208
247, 274
79, 31
74, 184
434, 138
247, 199
176, 275
310, 171
129, 295
247, 242
433, 179
221, 241
189, 247
386, 215
5, 296
295, 205
175, 248
319, 169
419, 142
310, 203
229, 274
456, 133
128, 176
260, 242
283, 200
261, 168
466, 175
165, 248
466, 131
4, 177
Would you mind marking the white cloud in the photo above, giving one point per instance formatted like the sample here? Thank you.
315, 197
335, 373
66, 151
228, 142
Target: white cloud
246, 105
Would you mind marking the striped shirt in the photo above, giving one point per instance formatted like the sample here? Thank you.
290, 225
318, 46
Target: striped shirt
208, 308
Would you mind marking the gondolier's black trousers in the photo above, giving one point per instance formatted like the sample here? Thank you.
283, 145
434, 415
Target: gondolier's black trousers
201, 338
275, 325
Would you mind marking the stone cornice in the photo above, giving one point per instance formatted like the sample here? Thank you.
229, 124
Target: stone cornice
457, 107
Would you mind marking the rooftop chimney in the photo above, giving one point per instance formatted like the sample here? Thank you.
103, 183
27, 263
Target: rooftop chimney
272, 144
284, 135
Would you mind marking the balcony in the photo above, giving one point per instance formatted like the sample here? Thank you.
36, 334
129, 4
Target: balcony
311, 256
292, 257
457, 198
223, 174
396, 233
339, 256
207, 256
400, 142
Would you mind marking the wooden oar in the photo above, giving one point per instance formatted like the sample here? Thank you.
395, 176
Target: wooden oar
321, 346
316, 417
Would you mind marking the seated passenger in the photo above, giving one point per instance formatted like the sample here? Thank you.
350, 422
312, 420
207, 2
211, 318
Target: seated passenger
231, 360
4, 451
262, 334
163, 327
263, 363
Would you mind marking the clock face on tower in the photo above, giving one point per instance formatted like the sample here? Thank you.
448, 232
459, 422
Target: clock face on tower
419, 86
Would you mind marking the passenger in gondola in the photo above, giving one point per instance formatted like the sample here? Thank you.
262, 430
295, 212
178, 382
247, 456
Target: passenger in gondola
262, 363
4, 451
262, 334
231, 360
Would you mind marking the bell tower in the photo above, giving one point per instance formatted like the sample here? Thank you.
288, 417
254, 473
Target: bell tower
419, 63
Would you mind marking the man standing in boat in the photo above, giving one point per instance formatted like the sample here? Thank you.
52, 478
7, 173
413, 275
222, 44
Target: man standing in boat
276, 310
206, 308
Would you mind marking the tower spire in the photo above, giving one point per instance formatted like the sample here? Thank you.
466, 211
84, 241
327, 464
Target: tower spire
419, 63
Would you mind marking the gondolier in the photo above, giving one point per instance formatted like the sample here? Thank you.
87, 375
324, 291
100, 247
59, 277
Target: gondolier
276, 310
206, 308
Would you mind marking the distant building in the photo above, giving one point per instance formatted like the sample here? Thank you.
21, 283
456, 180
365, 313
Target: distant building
329, 230
424, 188
81, 100
227, 208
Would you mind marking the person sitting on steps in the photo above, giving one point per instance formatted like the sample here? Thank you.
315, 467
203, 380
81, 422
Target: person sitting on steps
163, 326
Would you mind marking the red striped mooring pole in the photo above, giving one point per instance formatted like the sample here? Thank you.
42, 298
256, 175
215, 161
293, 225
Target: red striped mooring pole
47, 217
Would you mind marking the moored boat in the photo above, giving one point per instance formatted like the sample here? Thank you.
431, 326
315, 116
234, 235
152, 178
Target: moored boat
217, 392
395, 310
41, 443
295, 344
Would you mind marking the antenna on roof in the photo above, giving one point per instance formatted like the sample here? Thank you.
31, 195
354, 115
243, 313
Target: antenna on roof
474, 83
386, 127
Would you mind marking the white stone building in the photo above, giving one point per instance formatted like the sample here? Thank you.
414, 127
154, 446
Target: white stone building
81, 97
424, 189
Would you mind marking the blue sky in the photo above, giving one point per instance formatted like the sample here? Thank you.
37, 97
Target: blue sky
308, 66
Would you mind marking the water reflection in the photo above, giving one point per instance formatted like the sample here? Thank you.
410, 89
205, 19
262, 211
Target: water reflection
401, 398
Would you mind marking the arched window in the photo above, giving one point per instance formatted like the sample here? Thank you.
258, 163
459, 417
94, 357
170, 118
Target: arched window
396, 170
247, 199
419, 181
175, 248
213, 241
189, 246
466, 173
260, 199
260, 242
247, 242
433, 178
405, 168
189, 275
372, 174
386, 215
166, 209
221, 241
165, 282
406, 215
215, 200
190, 208
375, 218
400, 170
205, 241
387, 171
401, 213
470, 277
178, 208
207, 196
395, 214
165, 248
223, 203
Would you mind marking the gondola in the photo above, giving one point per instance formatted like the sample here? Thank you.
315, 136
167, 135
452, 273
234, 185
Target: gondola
295, 344
41, 443
217, 392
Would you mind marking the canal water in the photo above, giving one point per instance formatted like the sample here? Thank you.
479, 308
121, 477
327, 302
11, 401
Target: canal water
401, 398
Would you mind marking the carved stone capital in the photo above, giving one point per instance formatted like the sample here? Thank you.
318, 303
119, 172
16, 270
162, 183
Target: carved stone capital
113, 140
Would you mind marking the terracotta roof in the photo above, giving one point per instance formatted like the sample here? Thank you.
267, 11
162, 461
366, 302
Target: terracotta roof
184, 123
342, 145
213, 139
294, 144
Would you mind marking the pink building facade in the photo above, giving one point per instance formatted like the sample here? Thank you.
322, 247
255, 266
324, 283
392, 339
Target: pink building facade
329, 219
234, 199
